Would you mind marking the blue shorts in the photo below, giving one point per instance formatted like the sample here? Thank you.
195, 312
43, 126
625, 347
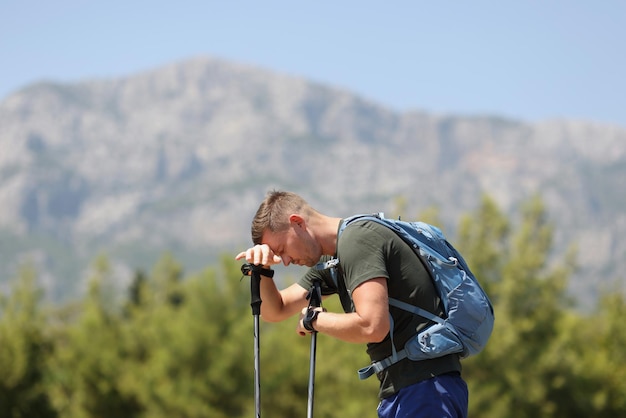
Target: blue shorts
442, 396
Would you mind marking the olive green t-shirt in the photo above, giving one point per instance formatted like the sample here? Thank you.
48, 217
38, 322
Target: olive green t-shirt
367, 250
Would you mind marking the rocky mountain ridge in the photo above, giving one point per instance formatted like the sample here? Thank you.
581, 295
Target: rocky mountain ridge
178, 158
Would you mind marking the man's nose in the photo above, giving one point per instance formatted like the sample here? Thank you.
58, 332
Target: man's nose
286, 259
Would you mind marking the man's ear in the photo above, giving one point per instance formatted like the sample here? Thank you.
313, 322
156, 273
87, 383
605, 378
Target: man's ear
296, 219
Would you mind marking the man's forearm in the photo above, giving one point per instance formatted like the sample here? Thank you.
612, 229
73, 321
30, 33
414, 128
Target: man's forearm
279, 305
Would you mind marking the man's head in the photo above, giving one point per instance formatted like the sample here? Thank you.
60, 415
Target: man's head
282, 222
273, 213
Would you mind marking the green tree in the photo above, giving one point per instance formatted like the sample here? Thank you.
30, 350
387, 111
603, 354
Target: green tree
594, 347
90, 358
183, 346
483, 239
23, 350
188, 358
521, 372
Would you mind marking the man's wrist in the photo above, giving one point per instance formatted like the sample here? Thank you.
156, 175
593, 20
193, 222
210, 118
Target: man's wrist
309, 318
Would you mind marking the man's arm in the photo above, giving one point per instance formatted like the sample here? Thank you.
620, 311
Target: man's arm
370, 322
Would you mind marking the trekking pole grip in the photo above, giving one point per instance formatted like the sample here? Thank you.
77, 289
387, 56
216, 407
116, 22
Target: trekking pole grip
254, 271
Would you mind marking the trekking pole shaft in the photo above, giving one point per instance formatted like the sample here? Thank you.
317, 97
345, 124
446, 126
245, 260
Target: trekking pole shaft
315, 301
309, 413
255, 303
257, 369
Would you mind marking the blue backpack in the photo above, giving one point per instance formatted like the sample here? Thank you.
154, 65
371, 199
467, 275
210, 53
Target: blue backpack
469, 314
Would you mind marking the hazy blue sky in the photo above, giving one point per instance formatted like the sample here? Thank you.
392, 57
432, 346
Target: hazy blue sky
529, 60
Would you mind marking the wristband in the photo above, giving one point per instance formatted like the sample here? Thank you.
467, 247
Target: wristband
309, 317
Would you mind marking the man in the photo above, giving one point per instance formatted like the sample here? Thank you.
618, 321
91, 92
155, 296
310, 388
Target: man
375, 263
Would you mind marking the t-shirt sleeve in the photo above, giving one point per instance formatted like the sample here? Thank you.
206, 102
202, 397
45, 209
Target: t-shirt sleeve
362, 248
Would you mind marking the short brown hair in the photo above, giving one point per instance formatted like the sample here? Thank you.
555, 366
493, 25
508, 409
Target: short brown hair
273, 213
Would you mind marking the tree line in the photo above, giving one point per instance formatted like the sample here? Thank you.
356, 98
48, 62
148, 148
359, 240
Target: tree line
179, 345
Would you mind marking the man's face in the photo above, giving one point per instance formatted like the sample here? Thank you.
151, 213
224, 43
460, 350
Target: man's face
294, 246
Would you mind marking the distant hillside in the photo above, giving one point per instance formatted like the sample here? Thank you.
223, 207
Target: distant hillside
178, 159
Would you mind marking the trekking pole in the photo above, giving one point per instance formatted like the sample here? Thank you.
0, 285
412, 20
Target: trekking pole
315, 301
254, 272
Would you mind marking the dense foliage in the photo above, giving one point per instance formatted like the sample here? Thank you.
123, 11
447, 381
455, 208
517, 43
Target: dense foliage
178, 346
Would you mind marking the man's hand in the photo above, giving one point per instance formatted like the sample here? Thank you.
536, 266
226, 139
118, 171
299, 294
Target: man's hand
261, 255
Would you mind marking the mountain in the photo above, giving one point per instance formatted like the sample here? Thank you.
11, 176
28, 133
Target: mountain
178, 158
